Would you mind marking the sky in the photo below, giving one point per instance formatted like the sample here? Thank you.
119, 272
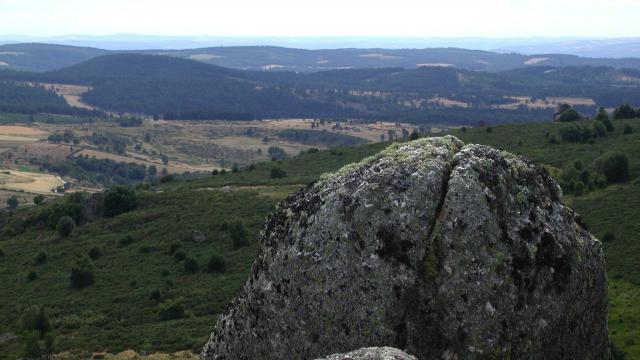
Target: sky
324, 18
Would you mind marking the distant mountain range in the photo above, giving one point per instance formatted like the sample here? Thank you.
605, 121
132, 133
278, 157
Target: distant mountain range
46, 57
584, 47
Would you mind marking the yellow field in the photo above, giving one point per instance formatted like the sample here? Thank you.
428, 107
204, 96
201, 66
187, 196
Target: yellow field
71, 93
368, 131
546, 103
173, 168
29, 182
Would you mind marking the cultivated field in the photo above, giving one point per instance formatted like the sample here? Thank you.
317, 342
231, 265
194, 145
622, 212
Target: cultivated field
34, 183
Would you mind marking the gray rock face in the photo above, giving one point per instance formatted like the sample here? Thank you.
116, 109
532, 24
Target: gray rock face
444, 250
375, 353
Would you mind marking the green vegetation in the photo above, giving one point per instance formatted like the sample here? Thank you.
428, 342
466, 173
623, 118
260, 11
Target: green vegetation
183, 89
96, 171
21, 98
329, 139
65, 226
135, 296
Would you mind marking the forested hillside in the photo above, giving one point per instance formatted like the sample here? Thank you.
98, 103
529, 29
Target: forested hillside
29, 98
185, 89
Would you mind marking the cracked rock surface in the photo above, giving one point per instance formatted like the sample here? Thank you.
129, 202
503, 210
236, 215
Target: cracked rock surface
443, 250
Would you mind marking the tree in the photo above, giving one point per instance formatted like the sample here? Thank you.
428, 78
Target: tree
152, 171
12, 202
65, 226
615, 167
38, 199
81, 274
191, 265
165, 159
624, 112
239, 235
569, 116
415, 135
171, 310
36, 319
216, 264
119, 199
602, 114
277, 173
276, 153
627, 129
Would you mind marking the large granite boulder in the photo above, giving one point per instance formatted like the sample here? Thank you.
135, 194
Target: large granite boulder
443, 250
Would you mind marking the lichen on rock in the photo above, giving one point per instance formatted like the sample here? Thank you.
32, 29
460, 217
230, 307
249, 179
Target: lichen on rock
374, 353
440, 249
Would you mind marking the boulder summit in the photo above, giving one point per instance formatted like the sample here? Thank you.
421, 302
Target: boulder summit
443, 250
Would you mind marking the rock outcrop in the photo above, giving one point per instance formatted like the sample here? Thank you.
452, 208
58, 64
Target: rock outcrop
443, 250
375, 353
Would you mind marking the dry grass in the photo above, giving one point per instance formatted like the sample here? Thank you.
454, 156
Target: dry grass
18, 130
29, 182
71, 93
545, 103
534, 61
172, 168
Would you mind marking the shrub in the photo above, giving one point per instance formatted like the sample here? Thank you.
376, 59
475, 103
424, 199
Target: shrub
146, 249
1, 253
277, 173
65, 226
171, 310
599, 129
38, 199
615, 167
191, 265
489, 130
238, 233
627, 129
223, 172
12, 202
41, 258
173, 248
608, 236
179, 255
608, 124
216, 264
119, 199
31, 276
81, 274
164, 273
35, 319
569, 115
215, 172
579, 188
31, 346
155, 296
624, 112
166, 179
126, 240
95, 253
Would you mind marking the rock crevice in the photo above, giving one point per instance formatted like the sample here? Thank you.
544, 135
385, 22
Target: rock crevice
441, 249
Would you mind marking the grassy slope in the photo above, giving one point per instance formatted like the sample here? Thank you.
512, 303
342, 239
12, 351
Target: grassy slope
117, 313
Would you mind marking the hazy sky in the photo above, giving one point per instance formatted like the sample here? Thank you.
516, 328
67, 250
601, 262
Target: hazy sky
408, 18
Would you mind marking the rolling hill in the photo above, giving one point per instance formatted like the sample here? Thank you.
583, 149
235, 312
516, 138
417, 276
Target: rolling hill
186, 89
45, 57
